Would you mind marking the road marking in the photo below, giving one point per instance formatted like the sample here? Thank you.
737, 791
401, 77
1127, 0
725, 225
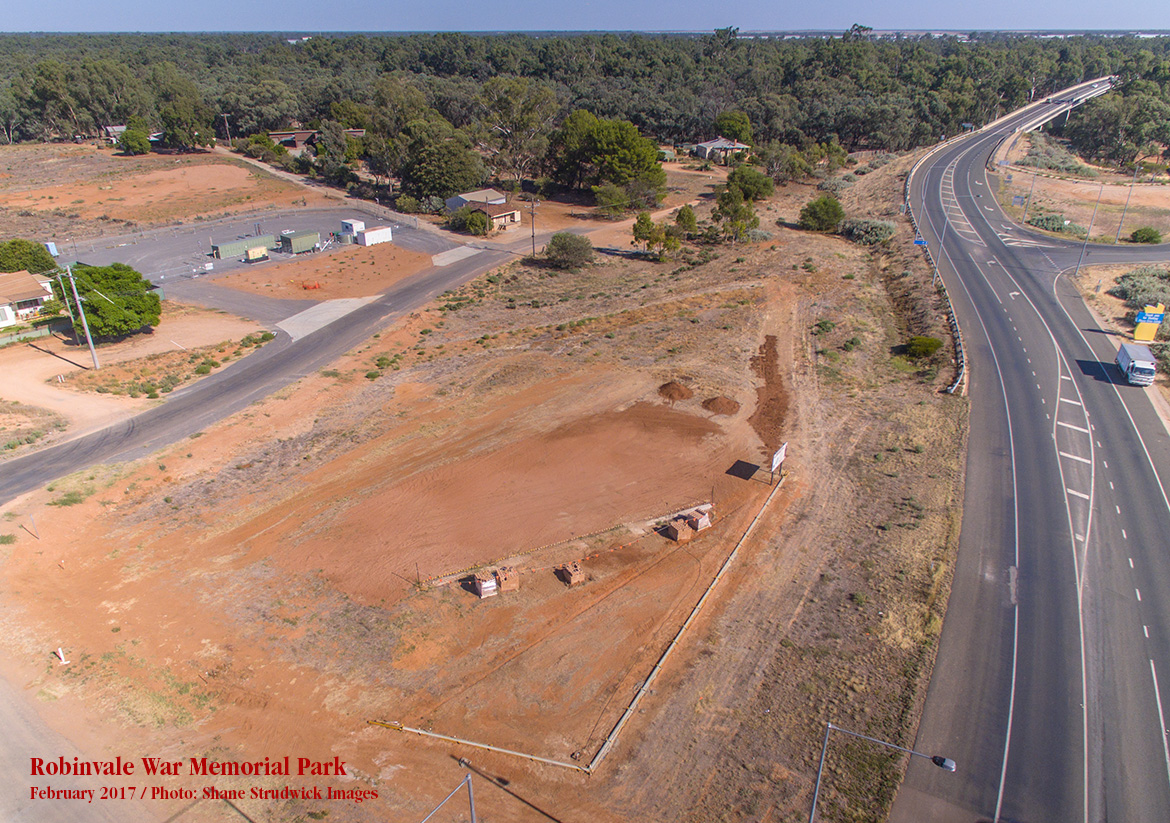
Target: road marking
1038, 386
1131, 562
1071, 426
1099, 444
1110, 484
1146, 631
1138, 592
1105, 463
1079, 537
1119, 512
1070, 400
1077, 493
1161, 718
1076, 457
1124, 536
1063, 377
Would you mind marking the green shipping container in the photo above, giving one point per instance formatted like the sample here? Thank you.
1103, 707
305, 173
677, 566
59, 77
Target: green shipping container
238, 248
299, 241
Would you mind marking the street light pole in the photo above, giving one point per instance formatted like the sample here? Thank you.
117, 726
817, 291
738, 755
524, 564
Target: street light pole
1089, 232
944, 763
1136, 168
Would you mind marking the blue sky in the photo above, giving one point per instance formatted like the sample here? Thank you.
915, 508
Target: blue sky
531, 15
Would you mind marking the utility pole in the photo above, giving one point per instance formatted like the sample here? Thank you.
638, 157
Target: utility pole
1024, 219
1136, 168
532, 204
227, 128
1089, 233
84, 324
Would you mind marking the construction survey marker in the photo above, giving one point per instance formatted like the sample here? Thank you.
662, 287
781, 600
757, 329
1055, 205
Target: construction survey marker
778, 460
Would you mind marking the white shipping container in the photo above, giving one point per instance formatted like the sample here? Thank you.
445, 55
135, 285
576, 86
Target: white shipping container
374, 236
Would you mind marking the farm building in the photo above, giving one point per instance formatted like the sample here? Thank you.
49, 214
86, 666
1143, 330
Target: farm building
299, 138
720, 149
375, 235
239, 247
352, 226
475, 198
21, 296
500, 215
298, 242
700, 518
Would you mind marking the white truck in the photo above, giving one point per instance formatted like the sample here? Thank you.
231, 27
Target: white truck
1136, 363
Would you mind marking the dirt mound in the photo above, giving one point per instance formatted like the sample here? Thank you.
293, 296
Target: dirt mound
721, 405
674, 392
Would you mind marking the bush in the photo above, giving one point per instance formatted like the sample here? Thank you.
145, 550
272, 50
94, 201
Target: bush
867, 232
1048, 222
472, 222
822, 214
834, 185
920, 347
1146, 234
569, 251
1044, 153
407, 204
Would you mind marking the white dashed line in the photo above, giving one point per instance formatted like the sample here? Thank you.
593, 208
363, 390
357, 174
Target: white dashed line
1118, 510
1146, 629
1131, 562
1110, 484
1124, 536
1138, 592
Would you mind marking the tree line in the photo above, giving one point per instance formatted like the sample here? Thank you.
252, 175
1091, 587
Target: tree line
860, 92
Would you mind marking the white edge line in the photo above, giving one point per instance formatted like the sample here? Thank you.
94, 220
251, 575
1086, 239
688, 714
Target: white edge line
1161, 719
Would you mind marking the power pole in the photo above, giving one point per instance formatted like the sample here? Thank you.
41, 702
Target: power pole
532, 219
84, 324
227, 128
1136, 168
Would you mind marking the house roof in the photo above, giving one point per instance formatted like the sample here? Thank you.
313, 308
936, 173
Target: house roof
481, 196
20, 285
722, 143
496, 209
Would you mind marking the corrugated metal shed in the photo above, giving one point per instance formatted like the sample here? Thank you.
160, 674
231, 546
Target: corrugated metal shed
299, 241
238, 248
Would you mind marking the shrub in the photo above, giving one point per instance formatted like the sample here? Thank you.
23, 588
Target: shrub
373, 374
834, 185
1045, 153
407, 204
822, 214
867, 232
1146, 234
478, 223
1048, 222
757, 236
569, 251
920, 347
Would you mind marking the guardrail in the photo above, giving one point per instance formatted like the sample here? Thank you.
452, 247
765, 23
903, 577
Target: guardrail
952, 320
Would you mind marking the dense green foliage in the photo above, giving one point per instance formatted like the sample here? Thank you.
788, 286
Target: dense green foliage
1146, 234
568, 251
134, 142
116, 298
822, 214
921, 347
753, 184
867, 92
1057, 223
25, 255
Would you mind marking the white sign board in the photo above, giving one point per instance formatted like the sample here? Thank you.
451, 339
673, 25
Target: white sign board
778, 457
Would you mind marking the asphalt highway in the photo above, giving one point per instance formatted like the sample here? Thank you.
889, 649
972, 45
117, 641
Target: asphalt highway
1049, 688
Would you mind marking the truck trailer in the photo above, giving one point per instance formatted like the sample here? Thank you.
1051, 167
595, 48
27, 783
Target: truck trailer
1136, 363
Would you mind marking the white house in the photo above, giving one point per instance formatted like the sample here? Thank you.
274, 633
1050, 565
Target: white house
21, 296
482, 197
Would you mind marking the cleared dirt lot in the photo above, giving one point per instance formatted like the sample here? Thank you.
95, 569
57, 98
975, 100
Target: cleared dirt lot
68, 191
266, 588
